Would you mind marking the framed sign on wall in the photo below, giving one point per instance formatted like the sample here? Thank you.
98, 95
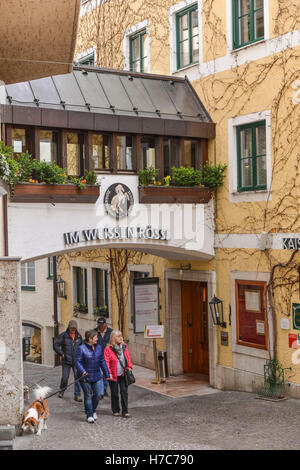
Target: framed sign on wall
145, 302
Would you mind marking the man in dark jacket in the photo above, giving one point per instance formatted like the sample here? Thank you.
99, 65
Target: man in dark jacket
91, 366
65, 345
104, 333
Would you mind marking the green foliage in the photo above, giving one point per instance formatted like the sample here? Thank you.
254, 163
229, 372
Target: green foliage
90, 177
210, 176
147, 176
80, 182
50, 173
24, 168
185, 176
213, 175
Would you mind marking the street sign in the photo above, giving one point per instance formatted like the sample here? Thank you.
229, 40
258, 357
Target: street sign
154, 331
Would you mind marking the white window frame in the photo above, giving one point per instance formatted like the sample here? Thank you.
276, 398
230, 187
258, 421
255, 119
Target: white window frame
173, 42
229, 29
126, 43
27, 267
248, 196
87, 52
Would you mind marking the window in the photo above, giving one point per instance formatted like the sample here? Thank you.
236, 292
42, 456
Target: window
50, 268
248, 22
75, 154
48, 146
125, 152
28, 276
192, 153
171, 149
101, 151
81, 286
251, 149
100, 280
187, 37
19, 140
31, 343
148, 152
88, 60
138, 61
252, 326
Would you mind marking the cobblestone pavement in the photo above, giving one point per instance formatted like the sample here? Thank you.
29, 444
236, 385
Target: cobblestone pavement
226, 420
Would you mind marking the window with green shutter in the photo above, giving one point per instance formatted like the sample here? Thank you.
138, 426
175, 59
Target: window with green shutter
101, 306
248, 22
187, 37
81, 285
138, 61
50, 268
251, 149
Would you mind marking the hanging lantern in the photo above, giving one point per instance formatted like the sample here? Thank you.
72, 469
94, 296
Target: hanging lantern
61, 288
216, 308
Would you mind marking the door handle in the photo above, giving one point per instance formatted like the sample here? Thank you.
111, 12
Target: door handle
189, 323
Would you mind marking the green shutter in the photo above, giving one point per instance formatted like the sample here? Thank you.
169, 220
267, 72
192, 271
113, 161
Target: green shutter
187, 11
139, 36
85, 286
236, 18
254, 156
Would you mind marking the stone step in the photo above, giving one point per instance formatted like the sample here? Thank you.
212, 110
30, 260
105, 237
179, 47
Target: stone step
6, 445
7, 433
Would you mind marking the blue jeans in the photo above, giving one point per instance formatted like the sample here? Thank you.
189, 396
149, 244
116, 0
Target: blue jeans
93, 392
65, 378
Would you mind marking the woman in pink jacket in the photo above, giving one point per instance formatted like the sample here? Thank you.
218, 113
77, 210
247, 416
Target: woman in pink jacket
118, 359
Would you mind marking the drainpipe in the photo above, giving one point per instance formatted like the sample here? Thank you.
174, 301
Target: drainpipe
216, 257
55, 315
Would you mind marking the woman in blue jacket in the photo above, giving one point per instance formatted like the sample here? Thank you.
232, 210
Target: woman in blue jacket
91, 365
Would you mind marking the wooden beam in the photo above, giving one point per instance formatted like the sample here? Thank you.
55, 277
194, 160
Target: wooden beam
36, 143
160, 157
204, 150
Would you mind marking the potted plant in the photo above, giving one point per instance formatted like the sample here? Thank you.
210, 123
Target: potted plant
79, 308
186, 185
33, 181
101, 311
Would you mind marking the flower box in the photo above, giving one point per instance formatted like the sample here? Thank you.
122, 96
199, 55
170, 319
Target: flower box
54, 193
174, 194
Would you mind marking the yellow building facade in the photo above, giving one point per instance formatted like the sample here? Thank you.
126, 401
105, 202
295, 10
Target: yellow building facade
242, 58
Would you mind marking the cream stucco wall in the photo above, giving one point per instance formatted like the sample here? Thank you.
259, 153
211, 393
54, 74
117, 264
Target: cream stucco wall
37, 309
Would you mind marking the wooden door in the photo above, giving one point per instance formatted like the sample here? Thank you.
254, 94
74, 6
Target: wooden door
195, 350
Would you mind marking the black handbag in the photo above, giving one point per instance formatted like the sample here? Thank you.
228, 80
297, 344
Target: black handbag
128, 374
129, 377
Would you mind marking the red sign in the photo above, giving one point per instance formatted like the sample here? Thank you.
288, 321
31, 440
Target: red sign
293, 343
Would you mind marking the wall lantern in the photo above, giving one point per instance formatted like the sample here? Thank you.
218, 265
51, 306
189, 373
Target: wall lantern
216, 308
61, 288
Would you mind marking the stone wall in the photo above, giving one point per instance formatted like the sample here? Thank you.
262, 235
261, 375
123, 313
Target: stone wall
11, 365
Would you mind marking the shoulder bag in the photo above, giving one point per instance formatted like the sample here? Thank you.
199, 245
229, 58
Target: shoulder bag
128, 375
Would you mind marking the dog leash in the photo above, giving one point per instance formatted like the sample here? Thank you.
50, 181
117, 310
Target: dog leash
55, 393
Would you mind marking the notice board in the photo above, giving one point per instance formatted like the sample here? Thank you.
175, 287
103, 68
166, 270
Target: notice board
146, 302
